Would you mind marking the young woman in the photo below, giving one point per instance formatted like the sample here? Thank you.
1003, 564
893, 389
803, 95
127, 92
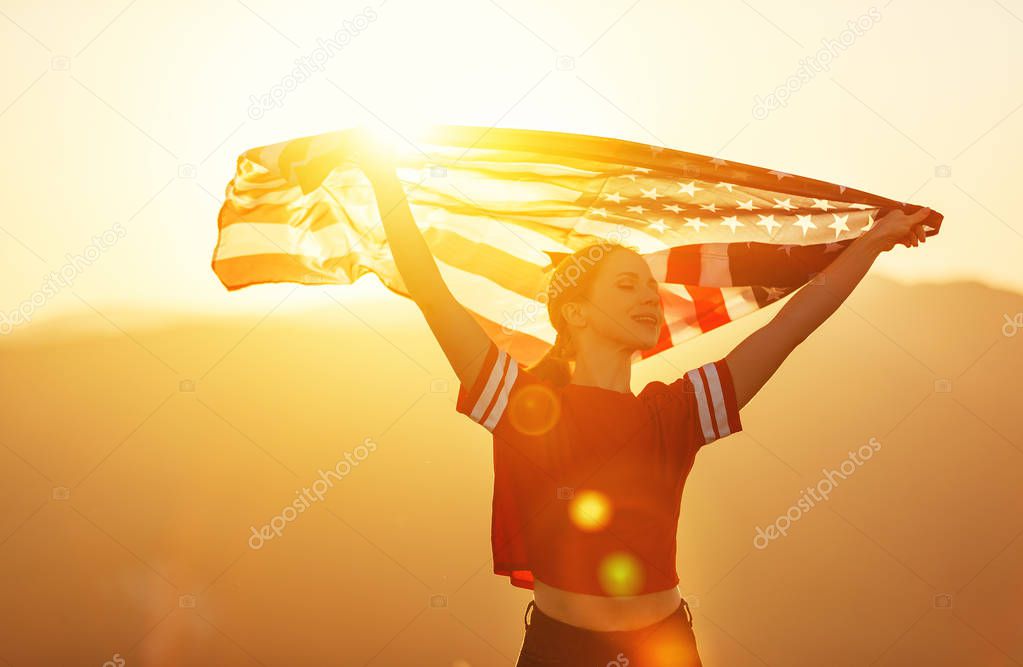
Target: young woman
588, 475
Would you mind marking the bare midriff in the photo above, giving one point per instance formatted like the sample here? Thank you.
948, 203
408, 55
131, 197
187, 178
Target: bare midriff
605, 614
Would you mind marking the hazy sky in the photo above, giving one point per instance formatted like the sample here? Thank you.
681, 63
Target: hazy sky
121, 123
127, 117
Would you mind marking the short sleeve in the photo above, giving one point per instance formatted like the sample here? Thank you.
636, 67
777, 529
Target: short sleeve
710, 410
487, 401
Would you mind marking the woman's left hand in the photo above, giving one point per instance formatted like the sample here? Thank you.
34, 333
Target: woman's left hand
897, 228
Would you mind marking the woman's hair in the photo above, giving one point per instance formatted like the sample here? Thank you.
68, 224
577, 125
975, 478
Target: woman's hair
571, 280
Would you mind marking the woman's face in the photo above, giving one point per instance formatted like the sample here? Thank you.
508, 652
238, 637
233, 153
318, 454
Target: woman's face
624, 304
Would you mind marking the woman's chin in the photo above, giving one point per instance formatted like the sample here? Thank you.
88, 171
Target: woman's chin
645, 343
640, 341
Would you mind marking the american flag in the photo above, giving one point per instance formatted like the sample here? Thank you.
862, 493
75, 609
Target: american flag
499, 206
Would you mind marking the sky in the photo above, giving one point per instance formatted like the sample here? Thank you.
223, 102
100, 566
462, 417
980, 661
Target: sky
122, 121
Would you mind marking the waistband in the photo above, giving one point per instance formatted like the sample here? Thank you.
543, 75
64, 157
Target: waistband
538, 617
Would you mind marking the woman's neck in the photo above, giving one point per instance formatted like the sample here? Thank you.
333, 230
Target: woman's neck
607, 369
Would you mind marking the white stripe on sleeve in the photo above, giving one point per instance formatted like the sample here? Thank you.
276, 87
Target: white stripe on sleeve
502, 398
703, 411
493, 382
717, 399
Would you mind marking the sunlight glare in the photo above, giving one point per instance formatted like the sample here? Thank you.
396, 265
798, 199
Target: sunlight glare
590, 510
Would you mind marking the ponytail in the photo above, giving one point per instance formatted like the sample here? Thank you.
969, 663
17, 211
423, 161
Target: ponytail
554, 365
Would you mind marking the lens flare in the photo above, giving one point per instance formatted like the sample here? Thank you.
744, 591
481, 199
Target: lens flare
590, 510
534, 410
672, 648
621, 574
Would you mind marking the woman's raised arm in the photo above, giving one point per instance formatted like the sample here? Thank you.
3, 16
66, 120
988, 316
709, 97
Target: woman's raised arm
754, 360
463, 340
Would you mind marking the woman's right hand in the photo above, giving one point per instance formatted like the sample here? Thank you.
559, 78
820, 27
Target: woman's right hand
899, 228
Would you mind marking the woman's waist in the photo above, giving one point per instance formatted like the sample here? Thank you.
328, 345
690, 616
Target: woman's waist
602, 613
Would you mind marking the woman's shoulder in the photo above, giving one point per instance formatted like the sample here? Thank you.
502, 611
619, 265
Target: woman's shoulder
506, 390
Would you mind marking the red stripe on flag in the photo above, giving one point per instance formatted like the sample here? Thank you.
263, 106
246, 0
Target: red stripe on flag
664, 338
238, 272
710, 306
522, 347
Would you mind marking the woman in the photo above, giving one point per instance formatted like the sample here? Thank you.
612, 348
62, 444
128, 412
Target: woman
588, 475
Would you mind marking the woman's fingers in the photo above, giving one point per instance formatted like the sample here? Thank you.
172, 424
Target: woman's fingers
900, 228
912, 224
910, 239
920, 215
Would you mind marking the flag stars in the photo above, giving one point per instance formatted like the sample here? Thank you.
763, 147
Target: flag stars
822, 204
870, 223
689, 188
769, 222
602, 212
732, 222
613, 196
804, 222
638, 208
784, 203
658, 224
726, 186
786, 248
709, 207
839, 224
746, 205
695, 223
780, 174
774, 293
674, 208
650, 194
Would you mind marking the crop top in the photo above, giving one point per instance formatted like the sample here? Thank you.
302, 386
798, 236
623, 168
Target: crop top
587, 480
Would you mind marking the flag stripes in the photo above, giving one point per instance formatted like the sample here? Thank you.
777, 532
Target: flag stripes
498, 207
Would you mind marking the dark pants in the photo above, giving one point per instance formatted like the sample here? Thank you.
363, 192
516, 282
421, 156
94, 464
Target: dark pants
549, 641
